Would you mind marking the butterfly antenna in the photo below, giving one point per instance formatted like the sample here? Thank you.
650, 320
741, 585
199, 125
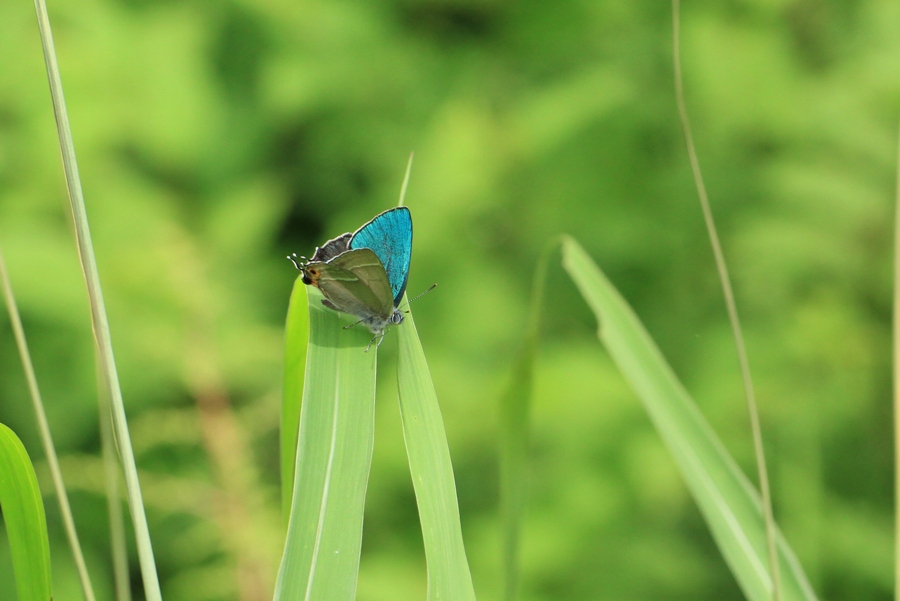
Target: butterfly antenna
430, 288
297, 261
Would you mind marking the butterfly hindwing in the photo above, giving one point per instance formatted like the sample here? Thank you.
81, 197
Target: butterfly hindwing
389, 236
366, 266
355, 282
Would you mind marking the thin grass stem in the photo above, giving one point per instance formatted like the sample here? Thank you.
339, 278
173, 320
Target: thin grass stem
731, 306
98, 310
118, 543
897, 383
515, 417
46, 438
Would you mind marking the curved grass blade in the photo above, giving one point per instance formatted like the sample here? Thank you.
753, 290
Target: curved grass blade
449, 578
729, 503
296, 338
334, 454
26, 524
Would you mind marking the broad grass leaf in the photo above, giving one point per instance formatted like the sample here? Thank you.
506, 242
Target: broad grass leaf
334, 454
449, 578
729, 503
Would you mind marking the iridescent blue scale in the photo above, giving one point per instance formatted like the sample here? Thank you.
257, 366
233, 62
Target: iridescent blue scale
389, 235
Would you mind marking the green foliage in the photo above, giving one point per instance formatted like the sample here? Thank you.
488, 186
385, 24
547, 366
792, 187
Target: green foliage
215, 138
23, 514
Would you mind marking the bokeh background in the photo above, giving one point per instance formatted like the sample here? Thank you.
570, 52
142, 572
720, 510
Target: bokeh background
215, 138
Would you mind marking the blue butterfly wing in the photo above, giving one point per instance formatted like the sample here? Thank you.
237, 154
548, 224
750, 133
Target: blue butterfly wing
389, 236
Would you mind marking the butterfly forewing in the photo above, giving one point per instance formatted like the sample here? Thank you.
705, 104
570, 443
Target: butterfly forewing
389, 236
332, 248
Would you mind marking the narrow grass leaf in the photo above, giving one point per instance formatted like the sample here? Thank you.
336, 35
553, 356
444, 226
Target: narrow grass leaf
296, 337
449, 578
896, 374
515, 408
99, 320
730, 305
118, 542
44, 429
334, 454
26, 524
729, 503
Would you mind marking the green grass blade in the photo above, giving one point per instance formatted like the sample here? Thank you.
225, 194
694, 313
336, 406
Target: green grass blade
296, 338
730, 305
449, 578
118, 542
46, 437
896, 374
99, 320
515, 407
26, 524
334, 454
727, 500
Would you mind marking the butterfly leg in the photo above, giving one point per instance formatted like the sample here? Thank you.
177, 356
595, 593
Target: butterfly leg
379, 337
330, 305
352, 324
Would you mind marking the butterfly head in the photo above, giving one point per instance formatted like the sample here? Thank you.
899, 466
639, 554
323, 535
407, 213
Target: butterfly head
309, 274
377, 324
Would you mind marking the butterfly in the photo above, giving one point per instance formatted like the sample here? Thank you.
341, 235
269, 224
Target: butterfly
365, 273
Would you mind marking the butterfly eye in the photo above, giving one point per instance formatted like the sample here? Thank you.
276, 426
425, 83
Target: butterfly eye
313, 272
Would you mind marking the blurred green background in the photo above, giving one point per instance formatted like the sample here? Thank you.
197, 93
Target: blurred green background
214, 138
